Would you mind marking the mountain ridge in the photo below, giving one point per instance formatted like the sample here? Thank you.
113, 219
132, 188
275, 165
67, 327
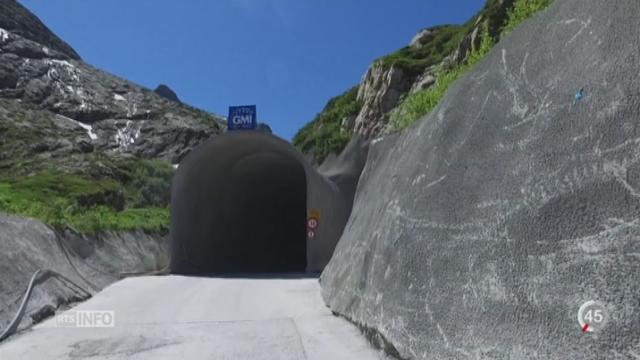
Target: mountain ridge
17, 19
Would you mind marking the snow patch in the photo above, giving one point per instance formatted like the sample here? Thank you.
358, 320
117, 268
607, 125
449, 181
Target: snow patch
4, 35
88, 128
46, 51
176, 166
118, 97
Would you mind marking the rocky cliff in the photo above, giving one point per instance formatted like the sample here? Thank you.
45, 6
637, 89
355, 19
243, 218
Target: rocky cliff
390, 79
76, 141
479, 232
117, 115
167, 93
18, 20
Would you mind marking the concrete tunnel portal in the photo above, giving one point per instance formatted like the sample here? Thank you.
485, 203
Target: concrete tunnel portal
240, 203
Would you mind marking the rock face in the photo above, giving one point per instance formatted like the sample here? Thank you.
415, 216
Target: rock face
379, 92
479, 232
91, 262
492, 18
422, 37
43, 72
167, 93
18, 20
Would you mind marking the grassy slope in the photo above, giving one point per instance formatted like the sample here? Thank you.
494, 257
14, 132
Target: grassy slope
136, 199
89, 192
422, 102
414, 61
324, 134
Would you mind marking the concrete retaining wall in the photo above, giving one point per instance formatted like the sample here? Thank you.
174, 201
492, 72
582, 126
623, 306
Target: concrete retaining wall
479, 232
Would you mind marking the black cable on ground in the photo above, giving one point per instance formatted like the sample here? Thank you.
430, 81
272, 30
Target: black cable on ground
37, 278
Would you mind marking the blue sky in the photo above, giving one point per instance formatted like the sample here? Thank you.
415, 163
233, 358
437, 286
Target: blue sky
286, 56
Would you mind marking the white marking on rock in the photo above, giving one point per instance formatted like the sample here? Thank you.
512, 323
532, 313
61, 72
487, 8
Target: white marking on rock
418, 179
176, 166
584, 24
376, 140
444, 336
620, 173
504, 61
118, 97
433, 183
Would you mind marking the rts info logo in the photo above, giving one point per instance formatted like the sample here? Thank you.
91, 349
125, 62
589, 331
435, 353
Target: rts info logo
86, 319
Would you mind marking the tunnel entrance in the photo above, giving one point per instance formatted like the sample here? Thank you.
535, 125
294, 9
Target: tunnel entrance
266, 220
239, 205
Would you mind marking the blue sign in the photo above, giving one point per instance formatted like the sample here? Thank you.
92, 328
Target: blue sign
242, 118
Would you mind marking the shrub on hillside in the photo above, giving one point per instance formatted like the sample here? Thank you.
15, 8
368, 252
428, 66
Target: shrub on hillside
422, 102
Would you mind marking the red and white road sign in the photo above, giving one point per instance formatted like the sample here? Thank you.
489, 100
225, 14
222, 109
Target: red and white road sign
312, 223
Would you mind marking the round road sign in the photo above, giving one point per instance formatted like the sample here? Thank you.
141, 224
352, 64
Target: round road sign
311, 234
312, 223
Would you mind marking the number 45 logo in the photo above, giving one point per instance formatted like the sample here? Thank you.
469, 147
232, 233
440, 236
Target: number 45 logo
592, 316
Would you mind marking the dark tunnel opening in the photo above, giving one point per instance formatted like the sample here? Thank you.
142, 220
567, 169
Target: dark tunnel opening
239, 207
266, 222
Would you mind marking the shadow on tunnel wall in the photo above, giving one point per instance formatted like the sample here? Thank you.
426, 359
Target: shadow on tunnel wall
240, 203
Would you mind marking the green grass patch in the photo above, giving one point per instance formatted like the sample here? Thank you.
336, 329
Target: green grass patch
415, 60
422, 102
90, 205
154, 219
324, 134
521, 11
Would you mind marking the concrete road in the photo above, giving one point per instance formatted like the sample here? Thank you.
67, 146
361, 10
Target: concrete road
170, 317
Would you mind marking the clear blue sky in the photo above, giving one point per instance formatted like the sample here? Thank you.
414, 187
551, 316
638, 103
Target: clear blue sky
286, 56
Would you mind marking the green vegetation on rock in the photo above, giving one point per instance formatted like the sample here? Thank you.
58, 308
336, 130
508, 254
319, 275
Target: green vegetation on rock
521, 11
325, 135
135, 198
414, 60
46, 173
420, 103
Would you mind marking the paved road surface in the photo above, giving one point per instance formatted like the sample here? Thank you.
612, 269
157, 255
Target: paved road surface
175, 317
